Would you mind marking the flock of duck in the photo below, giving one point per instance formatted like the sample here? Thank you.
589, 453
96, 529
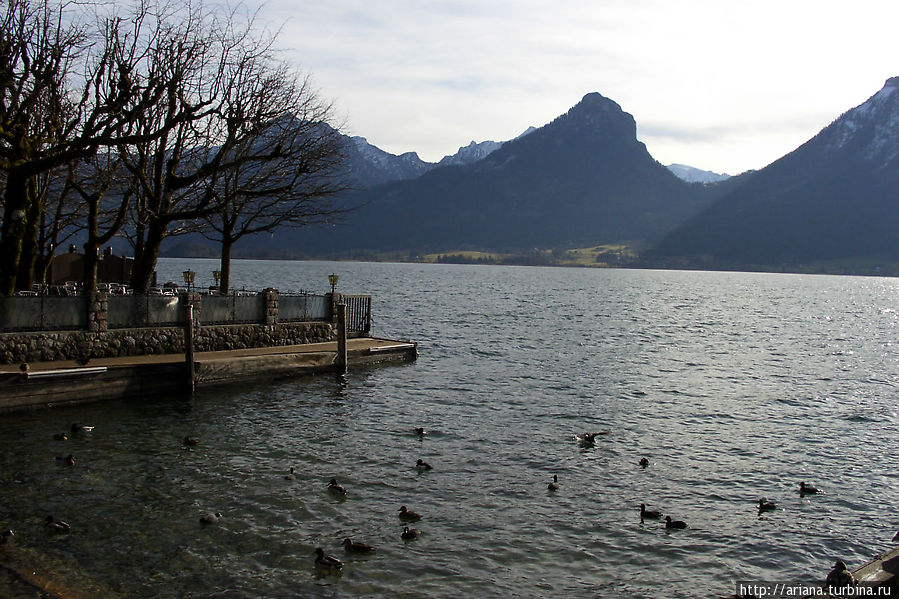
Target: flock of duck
331, 563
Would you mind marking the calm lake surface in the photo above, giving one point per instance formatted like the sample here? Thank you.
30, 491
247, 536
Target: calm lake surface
735, 386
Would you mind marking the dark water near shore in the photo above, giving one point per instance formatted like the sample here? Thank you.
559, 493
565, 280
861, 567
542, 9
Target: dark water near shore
734, 385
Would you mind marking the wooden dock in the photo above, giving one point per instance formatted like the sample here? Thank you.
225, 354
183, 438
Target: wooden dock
46, 384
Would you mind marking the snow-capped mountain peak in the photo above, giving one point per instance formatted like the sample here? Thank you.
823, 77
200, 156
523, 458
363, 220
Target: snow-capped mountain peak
692, 174
872, 126
471, 153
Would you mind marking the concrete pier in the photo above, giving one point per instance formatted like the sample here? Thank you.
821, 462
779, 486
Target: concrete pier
45, 384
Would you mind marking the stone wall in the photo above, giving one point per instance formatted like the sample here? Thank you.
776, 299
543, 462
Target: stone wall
73, 345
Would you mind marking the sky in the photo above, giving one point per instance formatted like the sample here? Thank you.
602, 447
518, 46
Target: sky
719, 85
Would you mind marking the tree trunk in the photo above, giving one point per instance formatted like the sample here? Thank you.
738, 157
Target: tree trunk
142, 271
15, 203
225, 265
25, 271
91, 246
90, 265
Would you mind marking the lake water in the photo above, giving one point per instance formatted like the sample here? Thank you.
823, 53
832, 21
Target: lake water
735, 386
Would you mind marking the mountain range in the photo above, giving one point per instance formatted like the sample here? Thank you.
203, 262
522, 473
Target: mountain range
830, 205
584, 179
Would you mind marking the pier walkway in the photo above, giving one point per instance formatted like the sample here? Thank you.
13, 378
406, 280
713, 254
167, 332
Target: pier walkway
52, 383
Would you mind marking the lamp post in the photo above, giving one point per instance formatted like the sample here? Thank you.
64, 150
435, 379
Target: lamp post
332, 280
217, 275
189, 278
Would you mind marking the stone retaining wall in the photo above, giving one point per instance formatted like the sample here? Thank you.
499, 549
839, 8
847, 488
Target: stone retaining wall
73, 345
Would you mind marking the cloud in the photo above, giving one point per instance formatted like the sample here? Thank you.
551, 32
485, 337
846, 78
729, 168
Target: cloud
432, 76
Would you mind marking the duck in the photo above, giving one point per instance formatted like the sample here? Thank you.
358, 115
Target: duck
766, 506
81, 428
336, 489
586, 439
210, 518
407, 515
840, 576
410, 534
56, 525
420, 431
423, 465
649, 514
69, 460
326, 562
61, 437
351, 546
554, 486
644, 462
290, 475
805, 489
669, 523
191, 441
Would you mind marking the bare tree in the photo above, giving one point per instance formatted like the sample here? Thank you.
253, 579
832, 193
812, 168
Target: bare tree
64, 93
257, 153
101, 186
287, 172
173, 174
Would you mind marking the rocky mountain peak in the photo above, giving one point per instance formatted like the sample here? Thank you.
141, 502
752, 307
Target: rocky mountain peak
871, 129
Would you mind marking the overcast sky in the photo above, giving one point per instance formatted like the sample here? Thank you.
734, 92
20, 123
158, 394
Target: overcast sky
717, 84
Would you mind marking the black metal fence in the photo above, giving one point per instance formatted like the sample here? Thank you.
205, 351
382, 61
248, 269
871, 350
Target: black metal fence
358, 313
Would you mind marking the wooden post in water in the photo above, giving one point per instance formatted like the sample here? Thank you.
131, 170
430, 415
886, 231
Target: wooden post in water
189, 345
341, 360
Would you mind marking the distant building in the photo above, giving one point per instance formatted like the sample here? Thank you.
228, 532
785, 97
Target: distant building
70, 267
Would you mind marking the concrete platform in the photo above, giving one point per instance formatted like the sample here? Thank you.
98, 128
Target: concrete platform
52, 383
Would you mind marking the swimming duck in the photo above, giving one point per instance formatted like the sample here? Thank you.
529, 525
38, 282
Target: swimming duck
669, 523
422, 465
210, 518
408, 516
648, 514
69, 460
326, 562
805, 489
410, 534
352, 546
191, 441
290, 475
81, 428
56, 525
586, 439
61, 437
336, 489
554, 486
420, 431
766, 506
644, 462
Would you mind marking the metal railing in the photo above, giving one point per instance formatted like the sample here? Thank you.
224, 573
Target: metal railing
138, 311
231, 309
358, 313
46, 313
304, 307
43, 313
